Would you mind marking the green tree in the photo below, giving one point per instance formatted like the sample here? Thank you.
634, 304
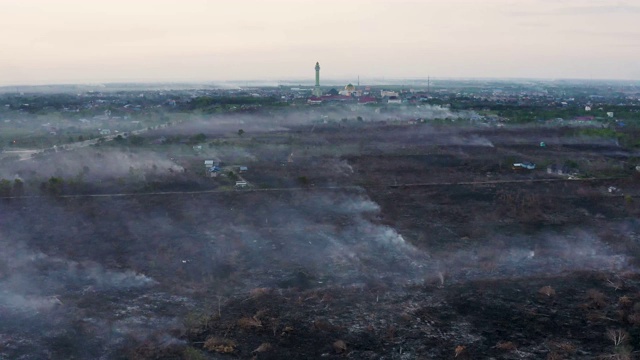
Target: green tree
136, 140
5, 187
196, 139
303, 180
18, 187
240, 132
53, 186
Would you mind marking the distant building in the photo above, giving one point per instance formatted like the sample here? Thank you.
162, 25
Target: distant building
610, 114
337, 98
350, 90
364, 100
314, 100
394, 100
524, 165
214, 171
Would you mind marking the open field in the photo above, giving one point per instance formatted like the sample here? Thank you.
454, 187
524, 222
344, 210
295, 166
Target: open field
363, 240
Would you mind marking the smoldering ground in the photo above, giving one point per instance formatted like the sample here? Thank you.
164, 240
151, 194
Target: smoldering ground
124, 163
284, 119
84, 276
111, 271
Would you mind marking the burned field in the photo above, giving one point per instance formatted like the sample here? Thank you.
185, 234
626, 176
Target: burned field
362, 241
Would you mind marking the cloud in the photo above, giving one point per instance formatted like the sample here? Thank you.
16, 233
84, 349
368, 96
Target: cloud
625, 9
591, 8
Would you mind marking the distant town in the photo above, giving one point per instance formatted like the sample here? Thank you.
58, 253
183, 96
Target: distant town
81, 112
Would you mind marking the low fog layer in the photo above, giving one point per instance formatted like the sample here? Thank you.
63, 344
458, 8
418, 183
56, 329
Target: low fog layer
282, 120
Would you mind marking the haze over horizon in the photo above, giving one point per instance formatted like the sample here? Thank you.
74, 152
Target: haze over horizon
73, 41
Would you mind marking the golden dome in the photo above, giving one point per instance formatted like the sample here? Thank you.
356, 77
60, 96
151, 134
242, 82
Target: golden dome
350, 87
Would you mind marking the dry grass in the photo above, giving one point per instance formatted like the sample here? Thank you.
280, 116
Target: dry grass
459, 350
264, 347
249, 323
634, 319
506, 346
257, 292
562, 347
625, 302
219, 345
596, 299
555, 356
252, 322
340, 346
547, 291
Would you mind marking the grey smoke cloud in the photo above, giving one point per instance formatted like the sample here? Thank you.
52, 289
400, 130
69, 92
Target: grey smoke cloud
93, 164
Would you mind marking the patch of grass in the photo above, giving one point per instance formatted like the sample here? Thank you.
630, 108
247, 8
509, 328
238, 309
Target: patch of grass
193, 354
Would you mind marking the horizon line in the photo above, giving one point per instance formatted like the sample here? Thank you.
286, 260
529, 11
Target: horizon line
302, 82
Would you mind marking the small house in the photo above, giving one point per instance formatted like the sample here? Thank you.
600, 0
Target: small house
241, 184
243, 169
214, 171
524, 166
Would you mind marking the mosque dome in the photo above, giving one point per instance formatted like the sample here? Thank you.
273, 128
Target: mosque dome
350, 87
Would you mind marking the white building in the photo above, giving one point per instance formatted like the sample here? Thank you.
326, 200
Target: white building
394, 100
385, 93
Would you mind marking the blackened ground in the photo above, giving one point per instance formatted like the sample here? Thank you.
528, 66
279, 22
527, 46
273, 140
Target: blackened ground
509, 319
428, 251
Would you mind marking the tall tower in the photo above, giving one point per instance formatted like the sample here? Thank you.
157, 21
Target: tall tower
316, 90
317, 74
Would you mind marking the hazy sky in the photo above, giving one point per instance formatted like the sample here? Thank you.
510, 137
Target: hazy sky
68, 41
